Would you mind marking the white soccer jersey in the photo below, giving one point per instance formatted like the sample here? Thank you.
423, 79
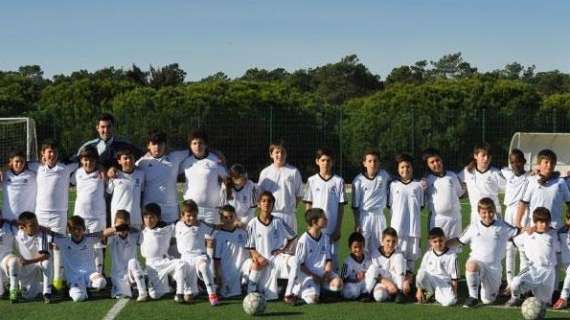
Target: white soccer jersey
230, 251
443, 265
539, 248
442, 194
406, 202
552, 195
286, 185
90, 201
370, 194
203, 179
326, 195
266, 238
486, 184
351, 267
394, 263
53, 190
30, 247
515, 187
243, 199
313, 253
126, 189
123, 250
191, 240
488, 243
155, 242
6, 240
19, 193
78, 257
161, 175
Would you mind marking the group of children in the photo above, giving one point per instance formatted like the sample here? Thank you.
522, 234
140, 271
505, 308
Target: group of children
231, 235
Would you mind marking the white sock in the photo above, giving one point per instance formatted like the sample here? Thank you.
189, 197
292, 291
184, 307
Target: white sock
138, 276
510, 262
293, 272
565, 294
13, 270
99, 260
254, 276
57, 265
473, 282
204, 269
179, 278
47, 275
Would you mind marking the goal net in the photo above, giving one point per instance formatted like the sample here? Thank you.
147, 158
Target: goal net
17, 134
530, 143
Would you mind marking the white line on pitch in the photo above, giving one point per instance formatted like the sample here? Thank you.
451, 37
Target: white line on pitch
116, 309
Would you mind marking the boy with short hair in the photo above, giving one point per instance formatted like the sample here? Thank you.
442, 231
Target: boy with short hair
126, 188
313, 267
285, 183
155, 242
386, 276
192, 237
540, 248
19, 186
230, 254
488, 241
355, 267
439, 272
269, 238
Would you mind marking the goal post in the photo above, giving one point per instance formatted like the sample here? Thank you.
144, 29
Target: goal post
18, 134
530, 143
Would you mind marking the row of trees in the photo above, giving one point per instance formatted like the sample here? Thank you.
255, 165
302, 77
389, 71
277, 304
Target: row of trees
446, 103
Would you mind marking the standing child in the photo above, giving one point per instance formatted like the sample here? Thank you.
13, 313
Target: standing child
488, 241
126, 188
439, 272
6, 255
284, 182
406, 202
268, 240
313, 267
386, 276
230, 254
325, 190
192, 238
19, 187
354, 268
241, 193
482, 179
369, 197
443, 190
155, 243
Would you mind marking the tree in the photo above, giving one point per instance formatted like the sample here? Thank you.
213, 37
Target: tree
170, 75
452, 66
136, 75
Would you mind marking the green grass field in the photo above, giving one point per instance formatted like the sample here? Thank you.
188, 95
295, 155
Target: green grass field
231, 309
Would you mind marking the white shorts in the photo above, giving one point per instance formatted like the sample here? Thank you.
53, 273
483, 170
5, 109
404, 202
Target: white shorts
158, 271
29, 276
267, 284
192, 273
372, 274
490, 280
565, 248
209, 215
56, 221
95, 224
353, 290
451, 225
123, 278
289, 218
310, 289
410, 248
541, 281
440, 286
373, 223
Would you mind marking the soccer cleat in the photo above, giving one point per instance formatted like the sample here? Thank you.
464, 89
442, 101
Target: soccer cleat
400, 298
366, 298
514, 302
142, 298
14, 295
560, 304
58, 284
188, 298
430, 297
290, 300
214, 300
179, 298
48, 298
470, 302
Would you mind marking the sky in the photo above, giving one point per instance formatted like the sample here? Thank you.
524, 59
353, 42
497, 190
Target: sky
231, 36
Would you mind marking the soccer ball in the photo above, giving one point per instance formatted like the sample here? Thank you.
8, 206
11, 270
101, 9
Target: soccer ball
533, 309
254, 304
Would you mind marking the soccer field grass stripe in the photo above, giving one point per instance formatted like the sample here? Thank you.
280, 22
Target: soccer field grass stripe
116, 309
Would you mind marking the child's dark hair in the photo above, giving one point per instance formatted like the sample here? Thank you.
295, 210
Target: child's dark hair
312, 215
367, 152
486, 203
541, 214
267, 194
19, 154
402, 157
436, 232
106, 117
89, 152
123, 215
124, 152
26, 217
356, 237
156, 137
236, 171
189, 206
546, 154
277, 145
152, 209
48, 145
519, 154
324, 152
427, 154
76, 222
228, 208
482, 147
198, 134
389, 232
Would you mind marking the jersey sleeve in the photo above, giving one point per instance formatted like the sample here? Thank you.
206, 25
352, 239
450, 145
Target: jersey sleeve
356, 193
501, 180
400, 264
298, 184
301, 252
219, 246
423, 264
452, 267
565, 191
465, 237
288, 232
341, 193
254, 195
527, 192
223, 195
461, 176
457, 185
344, 271
250, 243
71, 167
421, 197
519, 240
110, 186
73, 178
308, 198
33, 166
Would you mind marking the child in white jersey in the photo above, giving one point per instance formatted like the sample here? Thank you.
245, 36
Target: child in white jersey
19, 187
241, 193
325, 190
33, 261
285, 183
126, 269
386, 276
354, 268
488, 238
406, 202
312, 268
442, 192
269, 238
230, 254
192, 238
155, 243
439, 272
369, 197
540, 248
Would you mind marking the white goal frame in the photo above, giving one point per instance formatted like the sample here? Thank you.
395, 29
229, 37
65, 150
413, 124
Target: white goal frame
30, 126
530, 143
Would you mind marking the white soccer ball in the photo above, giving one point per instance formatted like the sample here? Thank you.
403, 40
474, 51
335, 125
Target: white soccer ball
254, 304
533, 309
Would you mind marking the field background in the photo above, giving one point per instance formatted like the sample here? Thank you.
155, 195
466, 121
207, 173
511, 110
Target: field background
231, 309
